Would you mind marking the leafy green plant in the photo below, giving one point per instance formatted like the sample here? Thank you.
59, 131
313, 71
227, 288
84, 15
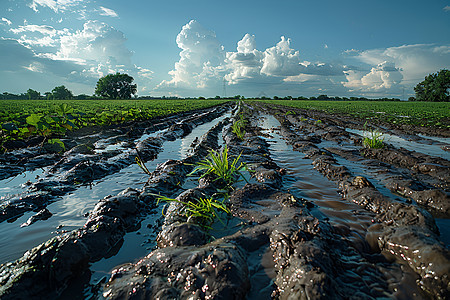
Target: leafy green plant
202, 211
238, 127
220, 164
373, 138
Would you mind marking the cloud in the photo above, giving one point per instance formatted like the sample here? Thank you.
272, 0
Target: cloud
382, 77
201, 58
82, 56
246, 63
447, 8
281, 60
8, 22
55, 5
204, 64
414, 62
16, 57
108, 12
43, 29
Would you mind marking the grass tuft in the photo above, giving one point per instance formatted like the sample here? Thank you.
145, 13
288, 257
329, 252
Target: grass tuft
203, 211
373, 138
238, 127
222, 166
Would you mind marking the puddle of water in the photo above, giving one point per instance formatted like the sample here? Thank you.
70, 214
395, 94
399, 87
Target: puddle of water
396, 141
13, 186
436, 138
137, 244
262, 273
197, 132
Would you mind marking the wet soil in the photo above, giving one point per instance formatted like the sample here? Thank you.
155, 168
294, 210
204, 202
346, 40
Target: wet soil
317, 216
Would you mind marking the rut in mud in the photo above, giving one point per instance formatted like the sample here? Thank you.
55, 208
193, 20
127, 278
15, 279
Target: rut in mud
318, 216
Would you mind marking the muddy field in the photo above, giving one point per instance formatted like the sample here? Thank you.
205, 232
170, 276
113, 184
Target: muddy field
318, 216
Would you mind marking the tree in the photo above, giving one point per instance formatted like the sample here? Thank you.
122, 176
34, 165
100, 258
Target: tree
33, 95
61, 93
435, 87
116, 86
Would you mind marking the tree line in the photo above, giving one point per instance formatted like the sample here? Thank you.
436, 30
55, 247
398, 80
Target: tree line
435, 88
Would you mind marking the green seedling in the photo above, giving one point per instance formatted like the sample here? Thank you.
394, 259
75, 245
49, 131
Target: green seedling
221, 166
373, 138
238, 127
202, 211
141, 164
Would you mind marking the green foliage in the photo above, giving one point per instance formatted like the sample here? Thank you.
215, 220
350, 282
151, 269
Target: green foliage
435, 87
116, 86
373, 138
33, 95
238, 127
20, 119
61, 92
202, 211
220, 165
59, 142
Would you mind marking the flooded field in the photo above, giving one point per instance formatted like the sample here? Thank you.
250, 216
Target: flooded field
315, 214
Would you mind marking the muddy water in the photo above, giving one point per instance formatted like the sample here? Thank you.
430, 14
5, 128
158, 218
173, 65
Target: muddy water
305, 182
70, 212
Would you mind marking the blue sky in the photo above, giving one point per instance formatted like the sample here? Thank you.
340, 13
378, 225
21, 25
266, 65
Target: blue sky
195, 48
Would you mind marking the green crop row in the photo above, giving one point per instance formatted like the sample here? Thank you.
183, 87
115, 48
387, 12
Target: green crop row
430, 114
20, 119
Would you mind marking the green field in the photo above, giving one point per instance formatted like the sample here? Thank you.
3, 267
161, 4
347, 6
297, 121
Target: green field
23, 118
436, 114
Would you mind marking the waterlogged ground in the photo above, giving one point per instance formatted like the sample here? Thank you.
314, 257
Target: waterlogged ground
317, 216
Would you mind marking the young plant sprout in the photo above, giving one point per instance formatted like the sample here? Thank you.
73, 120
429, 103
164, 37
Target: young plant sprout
202, 211
141, 163
238, 127
219, 164
373, 138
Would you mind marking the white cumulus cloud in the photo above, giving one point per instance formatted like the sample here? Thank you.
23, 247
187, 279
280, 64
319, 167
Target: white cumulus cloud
384, 76
201, 58
204, 64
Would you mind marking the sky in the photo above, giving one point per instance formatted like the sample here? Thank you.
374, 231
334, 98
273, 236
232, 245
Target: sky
208, 48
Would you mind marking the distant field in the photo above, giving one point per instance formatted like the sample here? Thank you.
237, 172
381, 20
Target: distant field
22, 118
415, 113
